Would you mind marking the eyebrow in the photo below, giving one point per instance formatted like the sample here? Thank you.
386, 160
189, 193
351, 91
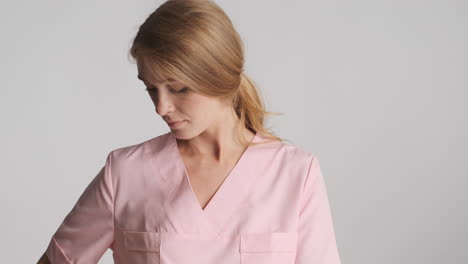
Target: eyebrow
168, 80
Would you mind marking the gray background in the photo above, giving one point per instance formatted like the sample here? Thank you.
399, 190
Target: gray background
376, 89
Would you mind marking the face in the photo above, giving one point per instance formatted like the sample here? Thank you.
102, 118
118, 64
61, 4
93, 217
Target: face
176, 102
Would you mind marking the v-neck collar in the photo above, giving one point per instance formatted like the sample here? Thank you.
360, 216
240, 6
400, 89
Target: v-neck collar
231, 196
224, 184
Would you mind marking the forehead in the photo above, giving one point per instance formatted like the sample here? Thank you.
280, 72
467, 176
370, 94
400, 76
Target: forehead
150, 75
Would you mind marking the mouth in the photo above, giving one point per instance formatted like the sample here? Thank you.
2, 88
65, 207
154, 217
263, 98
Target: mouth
176, 124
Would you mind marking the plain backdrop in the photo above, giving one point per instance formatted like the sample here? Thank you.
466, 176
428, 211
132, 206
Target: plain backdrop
376, 89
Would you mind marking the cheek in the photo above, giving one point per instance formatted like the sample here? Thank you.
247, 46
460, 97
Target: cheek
200, 107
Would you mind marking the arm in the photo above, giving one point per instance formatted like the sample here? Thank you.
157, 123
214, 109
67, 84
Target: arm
88, 229
316, 241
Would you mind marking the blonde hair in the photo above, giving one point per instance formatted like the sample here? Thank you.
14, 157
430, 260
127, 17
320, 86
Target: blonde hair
195, 42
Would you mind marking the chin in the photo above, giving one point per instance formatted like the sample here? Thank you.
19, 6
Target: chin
180, 134
185, 134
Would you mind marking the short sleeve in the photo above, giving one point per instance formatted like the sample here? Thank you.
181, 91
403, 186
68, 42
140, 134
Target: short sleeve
88, 229
316, 238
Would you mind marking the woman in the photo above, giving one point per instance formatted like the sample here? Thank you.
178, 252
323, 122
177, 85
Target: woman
217, 188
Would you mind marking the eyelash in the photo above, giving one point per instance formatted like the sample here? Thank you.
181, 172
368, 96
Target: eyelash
183, 90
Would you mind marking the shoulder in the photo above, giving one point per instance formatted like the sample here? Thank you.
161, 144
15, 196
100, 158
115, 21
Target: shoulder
295, 153
286, 158
284, 151
141, 149
305, 166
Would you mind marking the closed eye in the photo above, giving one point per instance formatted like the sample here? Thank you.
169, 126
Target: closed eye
151, 90
183, 90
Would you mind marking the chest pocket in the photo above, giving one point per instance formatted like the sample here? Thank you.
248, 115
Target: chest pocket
142, 247
271, 248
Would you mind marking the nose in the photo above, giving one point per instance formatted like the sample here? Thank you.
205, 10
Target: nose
164, 106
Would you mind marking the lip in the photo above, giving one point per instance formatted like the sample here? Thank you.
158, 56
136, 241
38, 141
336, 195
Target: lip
175, 124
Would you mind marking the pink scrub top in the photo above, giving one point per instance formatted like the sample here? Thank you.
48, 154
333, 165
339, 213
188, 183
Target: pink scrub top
271, 209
